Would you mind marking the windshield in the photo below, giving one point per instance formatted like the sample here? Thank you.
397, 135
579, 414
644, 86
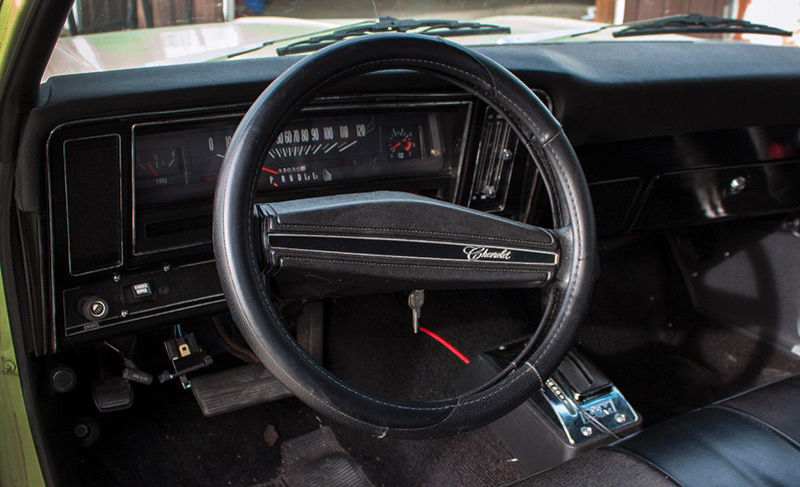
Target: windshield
114, 34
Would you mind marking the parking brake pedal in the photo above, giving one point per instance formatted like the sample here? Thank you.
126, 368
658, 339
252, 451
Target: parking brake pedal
238, 388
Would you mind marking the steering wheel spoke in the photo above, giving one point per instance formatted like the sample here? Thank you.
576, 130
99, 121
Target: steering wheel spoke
391, 241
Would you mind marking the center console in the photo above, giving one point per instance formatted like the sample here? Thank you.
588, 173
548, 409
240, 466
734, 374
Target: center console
578, 410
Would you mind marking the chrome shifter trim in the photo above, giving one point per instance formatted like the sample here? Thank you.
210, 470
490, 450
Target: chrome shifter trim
611, 410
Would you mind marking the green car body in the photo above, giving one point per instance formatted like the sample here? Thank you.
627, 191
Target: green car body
19, 463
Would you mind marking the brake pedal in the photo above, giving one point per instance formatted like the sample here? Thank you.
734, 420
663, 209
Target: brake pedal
114, 394
238, 388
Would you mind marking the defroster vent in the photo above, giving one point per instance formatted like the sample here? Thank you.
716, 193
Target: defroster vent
496, 149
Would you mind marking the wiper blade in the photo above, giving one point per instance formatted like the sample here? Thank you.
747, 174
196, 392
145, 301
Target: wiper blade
240, 50
697, 24
442, 28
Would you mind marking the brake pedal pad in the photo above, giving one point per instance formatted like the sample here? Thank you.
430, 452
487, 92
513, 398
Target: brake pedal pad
114, 394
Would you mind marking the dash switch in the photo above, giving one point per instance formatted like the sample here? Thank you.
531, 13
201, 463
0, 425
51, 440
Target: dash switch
137, 293
141, 291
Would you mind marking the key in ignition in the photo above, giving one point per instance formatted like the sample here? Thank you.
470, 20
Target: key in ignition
415, 301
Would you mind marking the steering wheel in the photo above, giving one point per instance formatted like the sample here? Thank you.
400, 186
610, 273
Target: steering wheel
398, 241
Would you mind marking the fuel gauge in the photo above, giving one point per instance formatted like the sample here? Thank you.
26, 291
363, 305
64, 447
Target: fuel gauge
160, 167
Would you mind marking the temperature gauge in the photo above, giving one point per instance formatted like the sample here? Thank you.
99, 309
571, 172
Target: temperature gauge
402, 145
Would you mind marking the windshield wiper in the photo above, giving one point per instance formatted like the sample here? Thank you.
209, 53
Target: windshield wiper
442, 28
681, 24
697, 24
237, 51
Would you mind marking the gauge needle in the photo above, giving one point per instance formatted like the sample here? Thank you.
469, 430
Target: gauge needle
269, 170
396, 145
151, 168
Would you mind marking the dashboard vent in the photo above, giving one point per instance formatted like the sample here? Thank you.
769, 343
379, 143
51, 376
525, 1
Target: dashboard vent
493, 164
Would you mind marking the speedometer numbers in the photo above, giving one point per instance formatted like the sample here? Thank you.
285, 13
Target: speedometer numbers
402, 145
300, 154
321, 150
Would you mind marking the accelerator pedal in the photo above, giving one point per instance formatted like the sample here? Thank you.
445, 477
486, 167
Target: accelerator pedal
236, 389
317, 460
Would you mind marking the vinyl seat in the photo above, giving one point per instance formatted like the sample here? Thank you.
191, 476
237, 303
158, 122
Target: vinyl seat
752, 439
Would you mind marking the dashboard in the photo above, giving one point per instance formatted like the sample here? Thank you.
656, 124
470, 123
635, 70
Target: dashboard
119, 199
131, 199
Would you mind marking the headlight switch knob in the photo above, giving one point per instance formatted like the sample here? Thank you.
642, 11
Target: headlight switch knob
93, 308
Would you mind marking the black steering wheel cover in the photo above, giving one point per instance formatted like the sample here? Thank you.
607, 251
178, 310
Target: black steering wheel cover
237, 253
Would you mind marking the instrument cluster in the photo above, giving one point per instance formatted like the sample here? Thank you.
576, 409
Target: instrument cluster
181, 161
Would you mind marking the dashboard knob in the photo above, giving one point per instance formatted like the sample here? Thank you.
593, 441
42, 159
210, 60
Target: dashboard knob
93, 308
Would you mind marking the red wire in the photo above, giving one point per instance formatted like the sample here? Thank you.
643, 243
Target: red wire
444, 342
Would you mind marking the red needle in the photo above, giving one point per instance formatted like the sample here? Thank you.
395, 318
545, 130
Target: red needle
269, 170
151, 168
396, 145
